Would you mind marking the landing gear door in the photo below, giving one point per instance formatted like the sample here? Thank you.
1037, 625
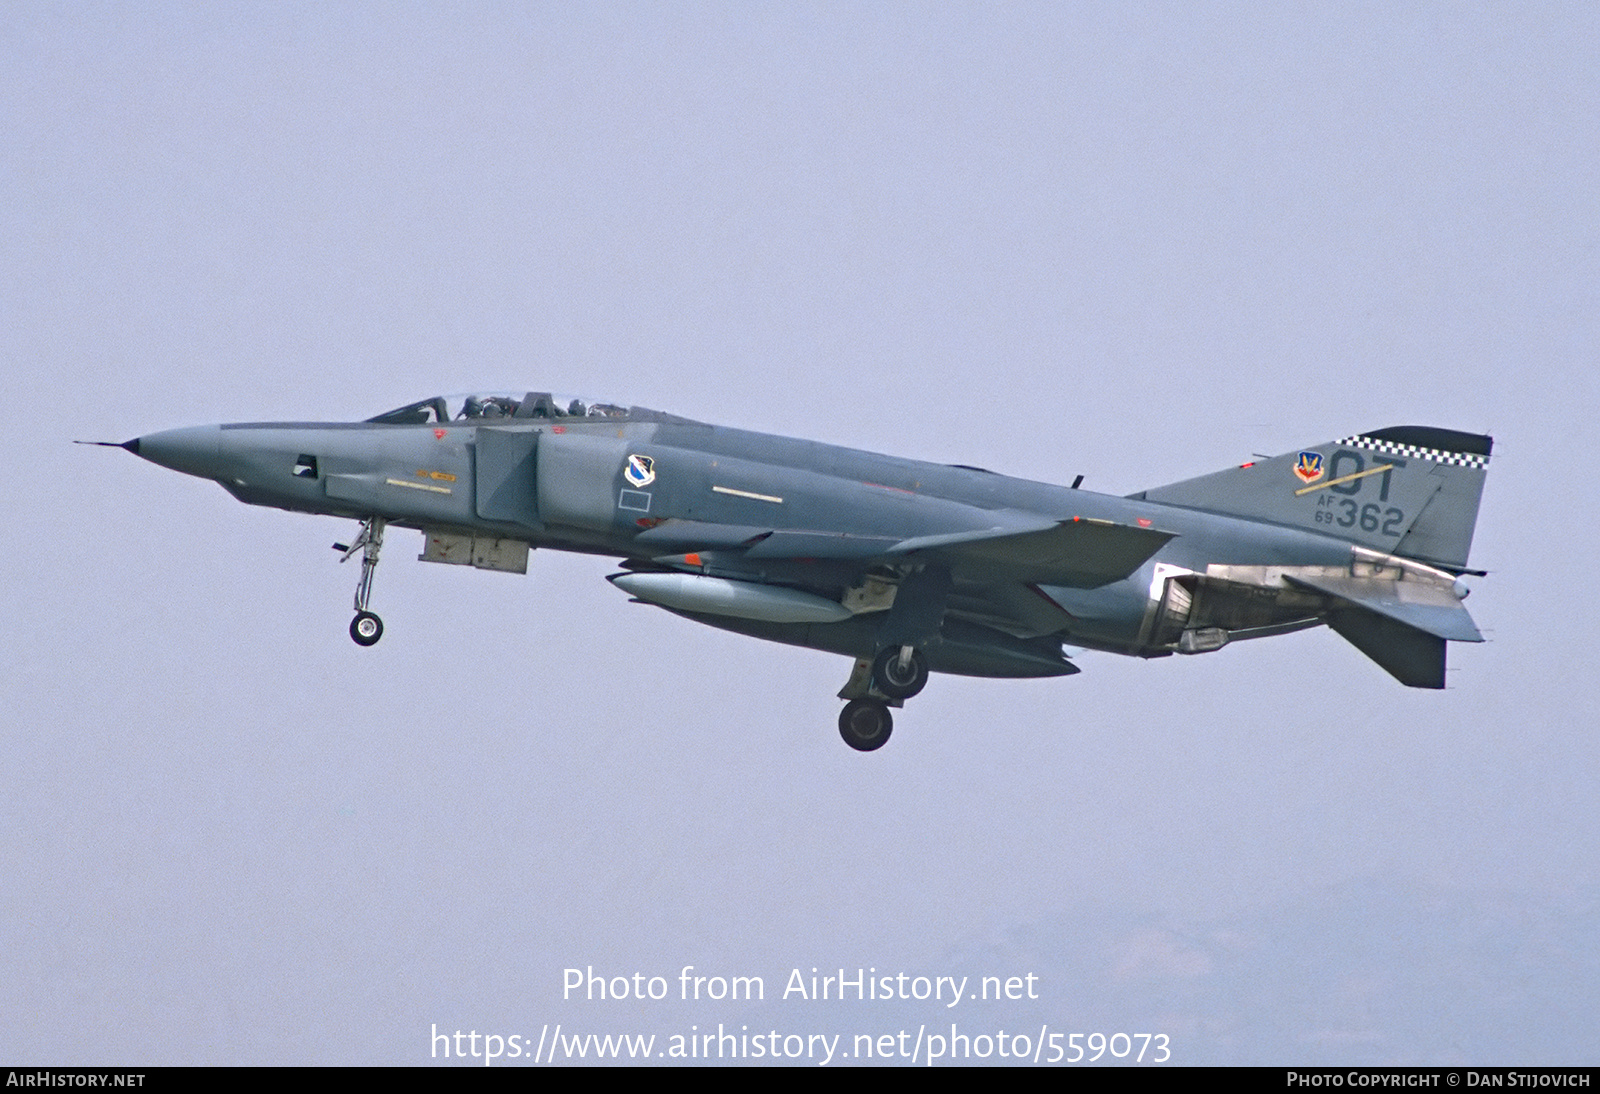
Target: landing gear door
579, 481
505, 478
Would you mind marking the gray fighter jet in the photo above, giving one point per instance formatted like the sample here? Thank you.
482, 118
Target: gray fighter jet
906, 567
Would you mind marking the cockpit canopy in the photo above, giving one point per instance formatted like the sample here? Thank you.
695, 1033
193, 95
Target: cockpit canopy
499, 404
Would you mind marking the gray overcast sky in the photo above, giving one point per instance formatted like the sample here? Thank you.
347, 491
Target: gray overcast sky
1140, 242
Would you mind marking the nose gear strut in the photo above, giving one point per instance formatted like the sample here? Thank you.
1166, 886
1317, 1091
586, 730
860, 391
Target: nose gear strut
366, 628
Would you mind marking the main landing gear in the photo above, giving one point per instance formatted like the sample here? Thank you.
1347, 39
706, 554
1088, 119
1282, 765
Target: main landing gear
865, 724
366, 628
888, 680
900, 671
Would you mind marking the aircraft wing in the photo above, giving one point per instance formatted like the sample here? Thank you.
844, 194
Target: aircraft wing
699, 535
757, 542
1081, 552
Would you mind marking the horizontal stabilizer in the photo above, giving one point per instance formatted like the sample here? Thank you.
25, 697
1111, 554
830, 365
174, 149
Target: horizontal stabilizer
1081, 553
1413, 657
1429, 608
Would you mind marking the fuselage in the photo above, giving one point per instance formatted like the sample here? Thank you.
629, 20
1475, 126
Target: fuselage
619, 487
905, 566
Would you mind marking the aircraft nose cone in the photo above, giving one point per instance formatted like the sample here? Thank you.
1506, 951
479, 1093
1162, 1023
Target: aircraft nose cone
193, 450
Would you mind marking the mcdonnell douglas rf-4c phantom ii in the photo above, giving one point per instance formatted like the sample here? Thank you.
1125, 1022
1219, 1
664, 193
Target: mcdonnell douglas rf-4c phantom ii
906, 567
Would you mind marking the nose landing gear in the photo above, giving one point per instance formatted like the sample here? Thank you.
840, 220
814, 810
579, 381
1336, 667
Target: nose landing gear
366, 628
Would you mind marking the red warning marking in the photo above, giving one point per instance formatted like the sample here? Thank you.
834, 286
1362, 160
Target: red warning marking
438, 434
693, 559
1143, 522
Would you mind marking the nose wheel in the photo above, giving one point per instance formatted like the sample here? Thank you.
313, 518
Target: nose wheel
366, 628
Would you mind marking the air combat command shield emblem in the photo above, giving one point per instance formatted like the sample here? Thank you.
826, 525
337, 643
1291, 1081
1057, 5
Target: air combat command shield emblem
1309, 466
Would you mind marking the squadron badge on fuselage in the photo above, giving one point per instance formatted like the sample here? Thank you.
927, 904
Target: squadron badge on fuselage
641, 470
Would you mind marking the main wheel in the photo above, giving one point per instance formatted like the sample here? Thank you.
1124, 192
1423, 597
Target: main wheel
896, 680
865, 724
366, 629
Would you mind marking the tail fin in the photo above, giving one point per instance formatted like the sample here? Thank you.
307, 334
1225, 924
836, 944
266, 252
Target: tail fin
1406, 490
